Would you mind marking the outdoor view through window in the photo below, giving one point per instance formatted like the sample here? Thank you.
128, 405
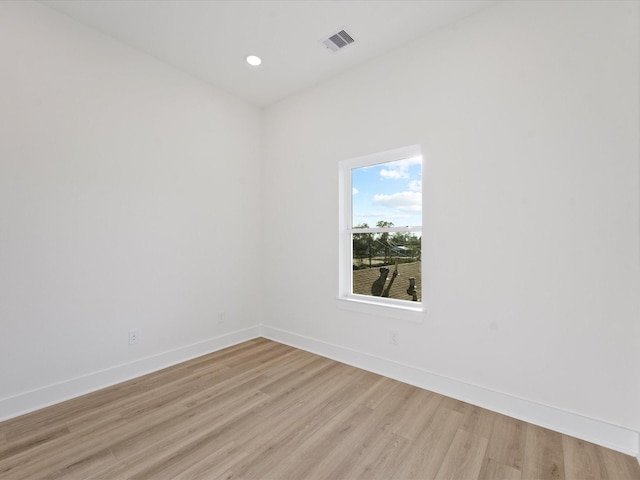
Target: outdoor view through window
386, 232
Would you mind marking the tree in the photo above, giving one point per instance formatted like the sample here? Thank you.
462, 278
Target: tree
406, 245
383, 238
362, 244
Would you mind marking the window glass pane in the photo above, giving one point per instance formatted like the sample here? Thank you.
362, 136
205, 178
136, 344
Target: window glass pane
387, 194
387, 265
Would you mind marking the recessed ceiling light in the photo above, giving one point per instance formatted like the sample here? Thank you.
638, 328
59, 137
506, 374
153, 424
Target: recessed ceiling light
253, 60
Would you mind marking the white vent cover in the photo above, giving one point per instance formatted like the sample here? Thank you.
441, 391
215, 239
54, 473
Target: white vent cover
338, 41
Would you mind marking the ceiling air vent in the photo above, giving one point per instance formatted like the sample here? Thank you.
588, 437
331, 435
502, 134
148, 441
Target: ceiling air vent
338, 41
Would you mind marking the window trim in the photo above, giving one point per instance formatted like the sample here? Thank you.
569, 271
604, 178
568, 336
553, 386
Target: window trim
363, 303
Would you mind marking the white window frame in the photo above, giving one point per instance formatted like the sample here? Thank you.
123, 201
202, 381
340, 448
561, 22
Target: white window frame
389, 307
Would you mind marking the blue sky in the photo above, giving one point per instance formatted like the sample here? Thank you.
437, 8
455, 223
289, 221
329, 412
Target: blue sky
389, 191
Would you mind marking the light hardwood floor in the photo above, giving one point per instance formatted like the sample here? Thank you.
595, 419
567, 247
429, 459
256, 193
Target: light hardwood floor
263, 410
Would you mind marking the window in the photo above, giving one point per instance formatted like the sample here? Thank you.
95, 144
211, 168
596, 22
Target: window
381, 229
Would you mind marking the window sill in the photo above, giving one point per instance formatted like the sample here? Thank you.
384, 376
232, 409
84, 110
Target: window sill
394, 311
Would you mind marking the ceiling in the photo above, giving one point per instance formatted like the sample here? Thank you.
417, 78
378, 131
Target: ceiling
210, 39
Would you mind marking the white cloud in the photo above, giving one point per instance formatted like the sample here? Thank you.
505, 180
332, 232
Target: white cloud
415, 185
395, 174
403, 201
394, 217
408, 161
399, 169
355, 191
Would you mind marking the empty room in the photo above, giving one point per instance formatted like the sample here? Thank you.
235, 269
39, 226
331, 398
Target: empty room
320, 239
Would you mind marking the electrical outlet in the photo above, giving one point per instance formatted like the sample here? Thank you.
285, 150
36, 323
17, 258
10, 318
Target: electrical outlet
222, 317
393, 337
134, 337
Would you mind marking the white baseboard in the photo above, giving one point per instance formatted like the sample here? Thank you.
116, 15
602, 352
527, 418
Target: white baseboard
588, 429
43, 397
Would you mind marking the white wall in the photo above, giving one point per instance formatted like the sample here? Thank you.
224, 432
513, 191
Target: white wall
128, 196
528, 116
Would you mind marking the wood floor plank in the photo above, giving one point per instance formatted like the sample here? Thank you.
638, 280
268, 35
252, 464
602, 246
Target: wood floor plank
494, 470
301, 413
318, 456
217, 357
464, 458
176, 391
191, 420
479, 421
276, 365
270, 449
333, 441
253, 359
55, 454
263, 410
383, 387
619, 466
167, 452
120, 430
287, 364
300, 377
375, 426
455, 405
243, 356
15, 448
416, 412
182, 453
431, 446
582, 460
156, 393
507, 442
245, 429
86, 405
377, 460
215, 464
101, 461
543, 456
284, 401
